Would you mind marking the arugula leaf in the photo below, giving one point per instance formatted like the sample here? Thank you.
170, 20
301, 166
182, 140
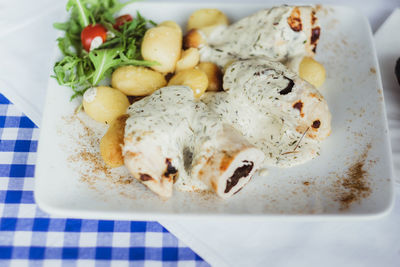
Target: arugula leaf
103, 60
79, 7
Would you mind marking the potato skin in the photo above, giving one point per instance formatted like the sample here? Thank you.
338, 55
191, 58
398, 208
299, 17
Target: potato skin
162, 44
137, 81
312, 71
194, 38
214, 75
104, 104
206, 19
110, 144
171, 24
194, 78
190, 58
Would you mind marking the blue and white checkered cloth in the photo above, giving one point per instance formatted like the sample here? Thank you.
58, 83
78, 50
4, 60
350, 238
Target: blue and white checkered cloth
30, 237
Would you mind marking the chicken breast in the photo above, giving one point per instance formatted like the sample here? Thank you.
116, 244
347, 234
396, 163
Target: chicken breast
171, 137
283, 33
278, 112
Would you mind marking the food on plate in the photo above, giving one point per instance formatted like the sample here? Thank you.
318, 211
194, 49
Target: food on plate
172, 24
226, 162
194, 38
194, 78
95, 43
190, 58
162, 44
207, 20
137, 81
312, 71
214, 75
162, 126
93, 36
121, 20
277, 111
239, 98
155, 135
278, 33
104, 104
112, 141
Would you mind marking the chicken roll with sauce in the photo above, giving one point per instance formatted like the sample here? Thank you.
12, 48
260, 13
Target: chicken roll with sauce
278, 112
282, 34
163, 128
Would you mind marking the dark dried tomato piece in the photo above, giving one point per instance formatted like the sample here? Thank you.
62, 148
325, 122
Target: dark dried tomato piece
288, 88
240, 172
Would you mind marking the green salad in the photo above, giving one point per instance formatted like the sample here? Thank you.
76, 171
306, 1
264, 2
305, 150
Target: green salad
96, 42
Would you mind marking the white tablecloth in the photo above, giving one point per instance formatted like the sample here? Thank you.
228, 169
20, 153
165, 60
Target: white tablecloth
26, 44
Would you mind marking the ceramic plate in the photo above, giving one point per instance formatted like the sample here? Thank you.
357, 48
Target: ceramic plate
352, 176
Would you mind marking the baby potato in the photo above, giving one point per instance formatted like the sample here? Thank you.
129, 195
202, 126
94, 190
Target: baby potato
190, 58
206, 20
214, 75
137, 81
104, 104
194, 78
194, 38
312, 71
110, 144
171, 24
162, 44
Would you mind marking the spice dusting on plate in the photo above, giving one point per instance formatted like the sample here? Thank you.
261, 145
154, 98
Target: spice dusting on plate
88, 155
354, 185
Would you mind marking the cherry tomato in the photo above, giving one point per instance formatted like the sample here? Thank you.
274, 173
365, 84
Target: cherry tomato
93, 32
121, 20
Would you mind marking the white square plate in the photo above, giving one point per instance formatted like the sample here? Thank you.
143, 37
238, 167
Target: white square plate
71, 179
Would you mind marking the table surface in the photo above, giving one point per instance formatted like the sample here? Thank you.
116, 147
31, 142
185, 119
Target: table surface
30, 237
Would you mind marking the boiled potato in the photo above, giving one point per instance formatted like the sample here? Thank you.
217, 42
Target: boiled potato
137, 81
312, 71
194, 38
194, 78
172, 24
104, 104
214, 75
190, 58
162, 44
110, 144
206, 20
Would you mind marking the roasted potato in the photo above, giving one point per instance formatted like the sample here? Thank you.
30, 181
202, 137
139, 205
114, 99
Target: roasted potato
206, 20
194, 38
312, 71
190, 58
214, 75
194, 78
162, 44
110, 144
137, 81
104, 104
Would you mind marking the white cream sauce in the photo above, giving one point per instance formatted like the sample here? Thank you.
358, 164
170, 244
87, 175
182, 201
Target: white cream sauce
264, 34
252, 104
173, 119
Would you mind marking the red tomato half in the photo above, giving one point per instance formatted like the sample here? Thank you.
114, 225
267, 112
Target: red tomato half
90, 32
121, 20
